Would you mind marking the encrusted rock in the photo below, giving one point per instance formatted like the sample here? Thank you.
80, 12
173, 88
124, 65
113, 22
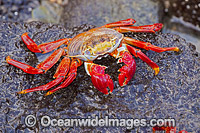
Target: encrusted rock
174, 92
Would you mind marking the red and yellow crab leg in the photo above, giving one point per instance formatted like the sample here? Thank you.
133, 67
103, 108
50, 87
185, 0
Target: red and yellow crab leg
61, 71
128, 70
148, 46
26, 68
145, 28
51, 60
42, 48
126, 22
42, 67
70, 77
143, 57
100, 80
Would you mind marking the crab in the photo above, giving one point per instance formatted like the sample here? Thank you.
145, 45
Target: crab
85, 48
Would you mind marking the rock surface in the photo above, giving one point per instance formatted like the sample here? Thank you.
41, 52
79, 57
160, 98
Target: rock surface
188, 10
17, 10
98, 13
174, 92
181, 17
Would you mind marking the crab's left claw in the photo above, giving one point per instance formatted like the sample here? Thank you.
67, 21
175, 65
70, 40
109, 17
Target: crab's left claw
128, 70
100, 80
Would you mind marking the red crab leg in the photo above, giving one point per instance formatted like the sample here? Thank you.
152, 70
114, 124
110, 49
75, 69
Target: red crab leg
145, 28
148, 46
166, 129
26, 68
128, 70
42, 48
143, 57
100, 80
61, 71
42, 67
63, 68
43, 87
126, 22
51, 60
70, 77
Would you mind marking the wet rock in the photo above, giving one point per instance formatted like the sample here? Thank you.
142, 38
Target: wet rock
187, 9
181, 17
17, 10
98, 13
49, 12
174, 92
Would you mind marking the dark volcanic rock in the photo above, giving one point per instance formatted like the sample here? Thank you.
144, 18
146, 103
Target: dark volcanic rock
188, 10
100, 12
174, 92
17, 10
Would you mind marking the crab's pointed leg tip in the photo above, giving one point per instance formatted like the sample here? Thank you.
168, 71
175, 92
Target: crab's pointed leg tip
22, 92
106, 93
48, 93
158, 26
7, 58
156, 70
24, 34
176, 49
124, 84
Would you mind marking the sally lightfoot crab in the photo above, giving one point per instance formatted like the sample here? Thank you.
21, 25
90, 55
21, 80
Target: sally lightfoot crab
85, 48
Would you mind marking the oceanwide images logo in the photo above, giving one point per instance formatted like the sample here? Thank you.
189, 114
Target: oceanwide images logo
47, 121
92, 122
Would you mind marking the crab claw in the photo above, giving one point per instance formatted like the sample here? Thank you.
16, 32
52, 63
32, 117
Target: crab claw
128, 70
100, 80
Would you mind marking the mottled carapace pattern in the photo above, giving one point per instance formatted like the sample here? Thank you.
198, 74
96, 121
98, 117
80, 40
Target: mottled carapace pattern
98, 41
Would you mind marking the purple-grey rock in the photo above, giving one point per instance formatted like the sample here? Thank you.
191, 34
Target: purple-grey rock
174, 92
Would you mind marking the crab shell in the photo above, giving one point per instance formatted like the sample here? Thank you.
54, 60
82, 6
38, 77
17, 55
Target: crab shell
96, 42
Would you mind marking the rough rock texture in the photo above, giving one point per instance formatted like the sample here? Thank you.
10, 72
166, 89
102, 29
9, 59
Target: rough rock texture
174, 92
187, 9
98, 12
17, 10
181, 17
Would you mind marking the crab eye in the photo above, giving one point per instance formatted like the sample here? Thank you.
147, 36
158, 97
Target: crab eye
87, 52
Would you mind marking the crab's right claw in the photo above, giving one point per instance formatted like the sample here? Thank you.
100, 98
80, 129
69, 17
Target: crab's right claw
128, 70
100, 80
